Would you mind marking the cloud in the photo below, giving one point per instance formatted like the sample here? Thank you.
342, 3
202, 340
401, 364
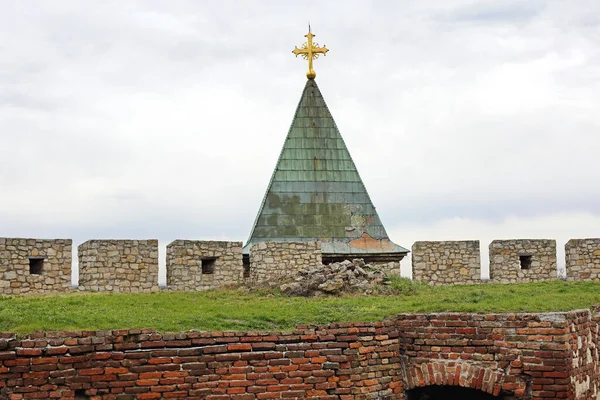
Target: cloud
494, 12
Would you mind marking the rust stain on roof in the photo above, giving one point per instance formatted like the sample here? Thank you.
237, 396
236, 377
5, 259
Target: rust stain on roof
366, 242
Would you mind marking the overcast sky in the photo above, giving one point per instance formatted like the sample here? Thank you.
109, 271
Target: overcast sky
154, 119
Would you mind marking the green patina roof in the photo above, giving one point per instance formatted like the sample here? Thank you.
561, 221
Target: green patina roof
316, 191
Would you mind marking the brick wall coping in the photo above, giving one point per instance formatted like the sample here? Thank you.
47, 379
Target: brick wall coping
304, 329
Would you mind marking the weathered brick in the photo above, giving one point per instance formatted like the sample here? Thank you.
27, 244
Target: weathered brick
494, 353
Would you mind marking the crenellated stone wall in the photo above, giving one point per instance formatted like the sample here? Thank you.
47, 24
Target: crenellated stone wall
447, 262
35, 265
200, 265
275, 260
118, 265
29, 266
583, 259
522, 260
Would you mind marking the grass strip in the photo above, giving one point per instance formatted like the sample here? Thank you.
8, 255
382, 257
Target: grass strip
240, 310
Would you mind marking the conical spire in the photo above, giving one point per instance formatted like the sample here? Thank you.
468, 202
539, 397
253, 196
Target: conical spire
316, 192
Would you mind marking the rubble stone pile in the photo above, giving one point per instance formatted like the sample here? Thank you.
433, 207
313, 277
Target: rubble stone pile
339, 277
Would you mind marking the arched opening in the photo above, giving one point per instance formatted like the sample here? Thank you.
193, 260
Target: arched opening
436, 392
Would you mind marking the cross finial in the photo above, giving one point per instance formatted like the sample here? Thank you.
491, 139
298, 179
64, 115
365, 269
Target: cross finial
310, 51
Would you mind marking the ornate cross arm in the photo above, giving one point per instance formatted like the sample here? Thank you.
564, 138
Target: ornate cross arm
310, 51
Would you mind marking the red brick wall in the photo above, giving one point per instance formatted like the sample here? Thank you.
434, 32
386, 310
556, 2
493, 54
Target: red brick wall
340, 360
524, 356
520, 356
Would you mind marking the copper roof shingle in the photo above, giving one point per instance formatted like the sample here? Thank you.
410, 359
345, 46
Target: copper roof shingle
316, 192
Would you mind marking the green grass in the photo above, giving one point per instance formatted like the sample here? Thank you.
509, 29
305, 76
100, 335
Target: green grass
238, 310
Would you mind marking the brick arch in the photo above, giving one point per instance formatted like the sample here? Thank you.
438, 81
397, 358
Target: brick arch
490, 380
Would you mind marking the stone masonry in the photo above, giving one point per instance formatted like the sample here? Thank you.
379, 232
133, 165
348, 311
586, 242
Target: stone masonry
276, 260
118, 265
200, 265
31, 266
446, 262
522, 260
35, 265
387, 267
583, 259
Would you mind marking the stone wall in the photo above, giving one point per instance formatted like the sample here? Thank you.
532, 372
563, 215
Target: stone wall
584, 377
522, 260
518, 356
387, 267
118, 265
447, 262
583, 259
275, 260
200, 265
132, 266
35, 265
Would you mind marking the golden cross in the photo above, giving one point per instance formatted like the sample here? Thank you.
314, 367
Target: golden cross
310, 51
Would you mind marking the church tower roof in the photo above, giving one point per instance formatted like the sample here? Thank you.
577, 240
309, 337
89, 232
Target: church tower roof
316, 193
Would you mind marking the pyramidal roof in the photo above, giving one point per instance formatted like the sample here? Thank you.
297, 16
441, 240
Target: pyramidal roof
316, 192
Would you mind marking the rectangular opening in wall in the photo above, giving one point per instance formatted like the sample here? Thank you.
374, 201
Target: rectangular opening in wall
525, 261
208, 265
36, 265
246, 264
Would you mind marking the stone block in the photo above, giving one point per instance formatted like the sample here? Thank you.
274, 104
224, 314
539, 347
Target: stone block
200, 265
582, 257
34, 266
446, 262
272, 261
522, 260
118, 265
